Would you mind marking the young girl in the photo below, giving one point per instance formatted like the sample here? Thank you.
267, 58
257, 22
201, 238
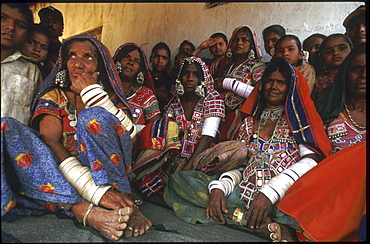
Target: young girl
36, 46
334, 49
290, 48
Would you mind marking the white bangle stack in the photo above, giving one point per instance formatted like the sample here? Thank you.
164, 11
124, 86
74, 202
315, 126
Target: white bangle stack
226, 182
90, 96
240, 88
276, 187
210, 126
81, 179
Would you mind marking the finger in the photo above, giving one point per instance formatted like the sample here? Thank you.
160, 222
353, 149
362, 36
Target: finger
95, 75
223, 205
207, 213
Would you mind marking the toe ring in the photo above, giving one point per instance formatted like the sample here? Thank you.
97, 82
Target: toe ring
130, 228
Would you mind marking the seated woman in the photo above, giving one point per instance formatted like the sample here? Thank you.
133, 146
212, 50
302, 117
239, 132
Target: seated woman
244, 65
337, 210
285, 139
290, 48
333, 50
36, 46
137, 83
78, 162
196, 109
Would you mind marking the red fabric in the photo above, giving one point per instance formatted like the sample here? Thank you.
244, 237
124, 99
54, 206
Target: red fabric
330, 200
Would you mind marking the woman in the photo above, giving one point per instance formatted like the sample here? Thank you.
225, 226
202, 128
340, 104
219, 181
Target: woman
137, 84
244, 65
282, 132
196, 108
79, 161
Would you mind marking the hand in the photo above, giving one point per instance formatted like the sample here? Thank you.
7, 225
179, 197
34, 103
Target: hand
214, 64
208, 43
217, 206
219, 82
83, 81
114, 199
258, 210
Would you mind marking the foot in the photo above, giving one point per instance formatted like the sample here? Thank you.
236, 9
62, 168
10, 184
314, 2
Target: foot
277, 232
110, 223
136, 199
137, 225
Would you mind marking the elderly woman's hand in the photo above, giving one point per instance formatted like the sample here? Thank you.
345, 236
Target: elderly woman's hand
114, 199
258, 210
217, 206
83, 81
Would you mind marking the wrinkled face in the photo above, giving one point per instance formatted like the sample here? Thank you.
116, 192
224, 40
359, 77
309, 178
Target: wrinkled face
269, 40
190, 79
356, 76
13, 27
313, 45
240, 44
356, 30
130, 65
160, 59
219, 49
81, 59
54, 26
335, 51
186, 48
275, 90
36, 46
288, 49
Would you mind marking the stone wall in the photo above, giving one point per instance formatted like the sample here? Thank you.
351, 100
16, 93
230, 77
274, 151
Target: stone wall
149, 23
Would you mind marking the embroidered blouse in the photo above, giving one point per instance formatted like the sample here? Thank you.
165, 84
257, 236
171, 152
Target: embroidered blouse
143, 105
343, 134
322, 83
191, 131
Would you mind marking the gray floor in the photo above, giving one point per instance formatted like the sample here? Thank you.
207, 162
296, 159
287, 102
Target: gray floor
166, 228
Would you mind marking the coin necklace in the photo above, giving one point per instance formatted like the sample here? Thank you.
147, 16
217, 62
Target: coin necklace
72, 115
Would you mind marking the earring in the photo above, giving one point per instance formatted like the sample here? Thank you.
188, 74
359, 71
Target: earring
251, 55
119, 67
199, 90
140, 78
61, 79
179, 88
229, 53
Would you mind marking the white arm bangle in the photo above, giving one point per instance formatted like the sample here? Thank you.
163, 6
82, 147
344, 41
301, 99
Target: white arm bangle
230, 180
90, 87
242, 89
228, 83
81, 179
210, 126
303, 150
283, 181
216, 184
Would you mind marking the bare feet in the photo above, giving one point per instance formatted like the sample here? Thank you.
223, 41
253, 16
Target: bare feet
137, 225
277, 232
110, 223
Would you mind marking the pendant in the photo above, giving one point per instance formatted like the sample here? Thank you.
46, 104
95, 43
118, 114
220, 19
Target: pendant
270, 151
75, 137
73, 123
71, 116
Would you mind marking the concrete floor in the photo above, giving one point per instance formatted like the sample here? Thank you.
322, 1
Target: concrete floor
166, 228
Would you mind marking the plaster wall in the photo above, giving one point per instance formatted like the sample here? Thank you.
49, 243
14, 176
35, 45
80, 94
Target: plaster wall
149, 23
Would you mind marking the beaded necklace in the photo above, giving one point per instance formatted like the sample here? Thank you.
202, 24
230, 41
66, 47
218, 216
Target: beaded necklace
350, 118
72, 114
260, 159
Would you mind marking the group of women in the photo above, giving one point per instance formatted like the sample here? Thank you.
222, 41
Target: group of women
248, 147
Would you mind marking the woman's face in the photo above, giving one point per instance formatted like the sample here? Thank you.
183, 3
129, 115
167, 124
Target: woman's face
36, 46
335, 51
160, 59
130, 65
81, 59
240, 44
190, 78
275, 90
356, 76
288, 49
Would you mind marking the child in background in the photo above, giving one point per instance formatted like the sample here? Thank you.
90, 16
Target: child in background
334, 49
20, 79
290, 48
312, 44
36, 46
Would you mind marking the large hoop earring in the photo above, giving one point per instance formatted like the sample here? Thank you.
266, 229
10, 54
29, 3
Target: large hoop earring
199, 90
61, 79
251, 55
140, 78
179, 88
119, 67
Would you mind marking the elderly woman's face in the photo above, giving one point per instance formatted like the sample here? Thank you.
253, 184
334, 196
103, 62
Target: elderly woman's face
275, 90
81, 59
240, 44
130, 65
356, 76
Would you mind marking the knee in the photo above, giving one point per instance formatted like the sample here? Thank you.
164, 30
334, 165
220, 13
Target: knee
9, 122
